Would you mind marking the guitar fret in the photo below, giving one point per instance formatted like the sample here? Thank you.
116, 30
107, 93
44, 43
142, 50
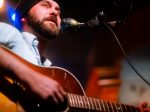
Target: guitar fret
103, 105
77, 104
91, 103
100, 108
114, 107
119, 107
97, 104
110, 106
77, 101
129, 108
88, 102
81, 101
133, 109
94, 105
124, 108
85, 103
106, 105
70, 100
73, 102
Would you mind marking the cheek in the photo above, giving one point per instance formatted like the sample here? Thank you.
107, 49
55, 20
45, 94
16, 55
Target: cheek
59, 21
38, 14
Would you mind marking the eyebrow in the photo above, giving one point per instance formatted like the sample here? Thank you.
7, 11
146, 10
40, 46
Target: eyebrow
58, 7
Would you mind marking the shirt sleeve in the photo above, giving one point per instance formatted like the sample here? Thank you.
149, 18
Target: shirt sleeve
12, 38
9, 35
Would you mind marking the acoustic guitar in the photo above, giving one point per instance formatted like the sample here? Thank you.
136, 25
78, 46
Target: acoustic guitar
76, 100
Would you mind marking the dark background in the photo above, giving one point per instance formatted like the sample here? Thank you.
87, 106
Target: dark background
80, 52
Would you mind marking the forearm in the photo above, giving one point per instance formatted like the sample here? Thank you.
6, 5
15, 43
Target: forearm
11, 66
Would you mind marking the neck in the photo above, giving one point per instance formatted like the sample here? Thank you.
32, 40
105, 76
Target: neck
41, 45
42, 40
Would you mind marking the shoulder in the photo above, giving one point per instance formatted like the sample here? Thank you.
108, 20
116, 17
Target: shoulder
7, 27
8, 32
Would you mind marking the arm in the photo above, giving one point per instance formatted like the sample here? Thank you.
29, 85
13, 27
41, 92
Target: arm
37, 83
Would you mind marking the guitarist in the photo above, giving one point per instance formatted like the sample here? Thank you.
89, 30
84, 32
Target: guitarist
40, 21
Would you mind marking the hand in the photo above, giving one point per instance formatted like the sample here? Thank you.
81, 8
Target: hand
144, 108
43, 87
46, 88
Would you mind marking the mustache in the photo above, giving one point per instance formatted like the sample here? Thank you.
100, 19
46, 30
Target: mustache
51, 18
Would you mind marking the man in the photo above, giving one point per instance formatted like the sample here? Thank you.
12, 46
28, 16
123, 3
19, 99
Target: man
40, 21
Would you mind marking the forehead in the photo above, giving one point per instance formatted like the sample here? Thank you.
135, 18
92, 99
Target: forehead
55, 2
50, 2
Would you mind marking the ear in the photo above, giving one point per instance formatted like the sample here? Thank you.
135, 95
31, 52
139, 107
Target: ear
23, 20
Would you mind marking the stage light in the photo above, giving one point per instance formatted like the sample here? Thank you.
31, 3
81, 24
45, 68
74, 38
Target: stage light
1, 3
11, 14
13, 17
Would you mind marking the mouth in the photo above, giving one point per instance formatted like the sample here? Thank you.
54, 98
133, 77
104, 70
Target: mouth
52, 20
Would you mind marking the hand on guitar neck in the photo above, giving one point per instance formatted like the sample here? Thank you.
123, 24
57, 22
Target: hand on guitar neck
45, 88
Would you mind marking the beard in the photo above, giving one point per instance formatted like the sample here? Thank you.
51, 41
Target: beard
48, 31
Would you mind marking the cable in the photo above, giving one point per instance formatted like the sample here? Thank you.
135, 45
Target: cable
125, 55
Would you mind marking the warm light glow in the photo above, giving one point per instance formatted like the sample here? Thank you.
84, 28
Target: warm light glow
1, 3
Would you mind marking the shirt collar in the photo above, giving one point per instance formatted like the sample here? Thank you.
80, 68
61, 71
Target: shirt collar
30, 38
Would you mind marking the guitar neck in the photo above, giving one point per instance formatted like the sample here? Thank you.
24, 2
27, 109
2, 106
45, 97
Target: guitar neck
82, 102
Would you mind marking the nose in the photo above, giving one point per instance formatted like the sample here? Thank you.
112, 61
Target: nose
53, 11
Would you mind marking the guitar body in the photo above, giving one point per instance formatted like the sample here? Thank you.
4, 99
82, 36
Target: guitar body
66, 79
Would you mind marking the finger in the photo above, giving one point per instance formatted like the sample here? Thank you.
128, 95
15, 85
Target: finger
62, 91
54, 98
57, 96
60, 96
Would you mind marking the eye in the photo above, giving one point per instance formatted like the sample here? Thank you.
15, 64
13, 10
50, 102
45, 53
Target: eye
59, 13
58, 10
45, 4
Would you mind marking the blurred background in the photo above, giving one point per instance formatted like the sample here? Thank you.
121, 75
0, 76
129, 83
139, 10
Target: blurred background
93, 55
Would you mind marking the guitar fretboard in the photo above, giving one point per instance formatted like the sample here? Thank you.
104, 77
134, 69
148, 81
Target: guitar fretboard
82, 102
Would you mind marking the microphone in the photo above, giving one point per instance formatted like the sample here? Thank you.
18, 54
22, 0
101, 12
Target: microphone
70, 24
